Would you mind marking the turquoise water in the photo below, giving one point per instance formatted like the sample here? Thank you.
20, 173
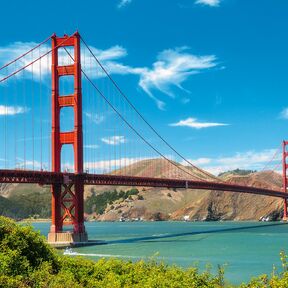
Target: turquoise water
246, 248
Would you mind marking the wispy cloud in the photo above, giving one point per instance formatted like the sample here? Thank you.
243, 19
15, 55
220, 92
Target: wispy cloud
13, 50
107, 166
123, 3
200, 161
91, 146
12, 110
109, 58
172, 68
194, 123
284, 113
95, 118
246, 160
212, 3
114, 140
112, 164
30, 164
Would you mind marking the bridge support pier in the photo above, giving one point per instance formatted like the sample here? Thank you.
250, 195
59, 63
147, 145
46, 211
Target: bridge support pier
67, 209
67, 197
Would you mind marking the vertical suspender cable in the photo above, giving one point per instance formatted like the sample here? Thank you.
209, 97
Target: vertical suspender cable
15, 122
108, 102
24, 130
110, 147
33, 111
49, 122
41, 112
5, 123
145, 121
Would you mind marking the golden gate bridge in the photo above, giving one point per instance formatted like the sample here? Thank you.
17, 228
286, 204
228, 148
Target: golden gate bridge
30, 156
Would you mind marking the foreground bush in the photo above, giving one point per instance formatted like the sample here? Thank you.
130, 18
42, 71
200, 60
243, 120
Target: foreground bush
27, 261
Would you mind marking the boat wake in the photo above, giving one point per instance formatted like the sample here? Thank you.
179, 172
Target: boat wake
70, 252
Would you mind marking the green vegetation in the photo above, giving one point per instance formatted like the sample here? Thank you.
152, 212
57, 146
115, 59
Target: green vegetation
27, 261
27, 203
240, 172
33, 202
98, 203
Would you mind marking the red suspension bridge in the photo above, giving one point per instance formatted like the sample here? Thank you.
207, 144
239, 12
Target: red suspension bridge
34, 143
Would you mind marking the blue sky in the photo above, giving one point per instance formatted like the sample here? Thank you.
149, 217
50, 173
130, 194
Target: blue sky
210, 75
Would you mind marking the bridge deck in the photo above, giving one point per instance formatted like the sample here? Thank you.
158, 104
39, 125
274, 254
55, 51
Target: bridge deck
45, 178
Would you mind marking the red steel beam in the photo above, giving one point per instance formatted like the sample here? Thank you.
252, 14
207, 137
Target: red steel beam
43, 177
67, 70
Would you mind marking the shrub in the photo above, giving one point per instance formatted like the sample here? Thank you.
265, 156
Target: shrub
22, 252
27, 261
98, 203
140, 197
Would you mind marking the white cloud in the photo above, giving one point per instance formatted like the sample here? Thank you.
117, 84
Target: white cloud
112, 164
170, 70
245, 160
95, 118
107, 166
12, 110
123, 3
200, 161
114, 140
193, 123
14, 50
212, 3
284, 113
109, 58
30, 164
91, 146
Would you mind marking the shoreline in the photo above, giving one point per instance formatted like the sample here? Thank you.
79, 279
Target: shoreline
42, 220
47, 220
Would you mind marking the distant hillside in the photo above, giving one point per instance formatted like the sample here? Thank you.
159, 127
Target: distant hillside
21, 201
239, 172
158, 203
25, 200
237, 206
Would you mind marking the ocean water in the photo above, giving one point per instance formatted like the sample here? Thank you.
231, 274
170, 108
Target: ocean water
245, 248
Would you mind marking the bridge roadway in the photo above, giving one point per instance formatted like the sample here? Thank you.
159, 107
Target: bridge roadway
46, 178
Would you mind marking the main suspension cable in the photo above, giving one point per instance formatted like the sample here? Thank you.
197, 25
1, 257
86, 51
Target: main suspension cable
272, 159
142, 117
31, 63
128, 124
24, 54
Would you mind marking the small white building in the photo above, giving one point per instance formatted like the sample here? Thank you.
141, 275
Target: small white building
186, 217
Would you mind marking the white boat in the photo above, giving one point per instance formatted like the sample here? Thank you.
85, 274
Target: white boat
69, 251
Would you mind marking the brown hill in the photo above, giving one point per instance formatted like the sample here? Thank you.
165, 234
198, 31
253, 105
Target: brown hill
195, 204
237, 206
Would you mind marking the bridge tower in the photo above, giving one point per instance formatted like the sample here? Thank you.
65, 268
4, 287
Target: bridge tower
285, 167
67, 197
